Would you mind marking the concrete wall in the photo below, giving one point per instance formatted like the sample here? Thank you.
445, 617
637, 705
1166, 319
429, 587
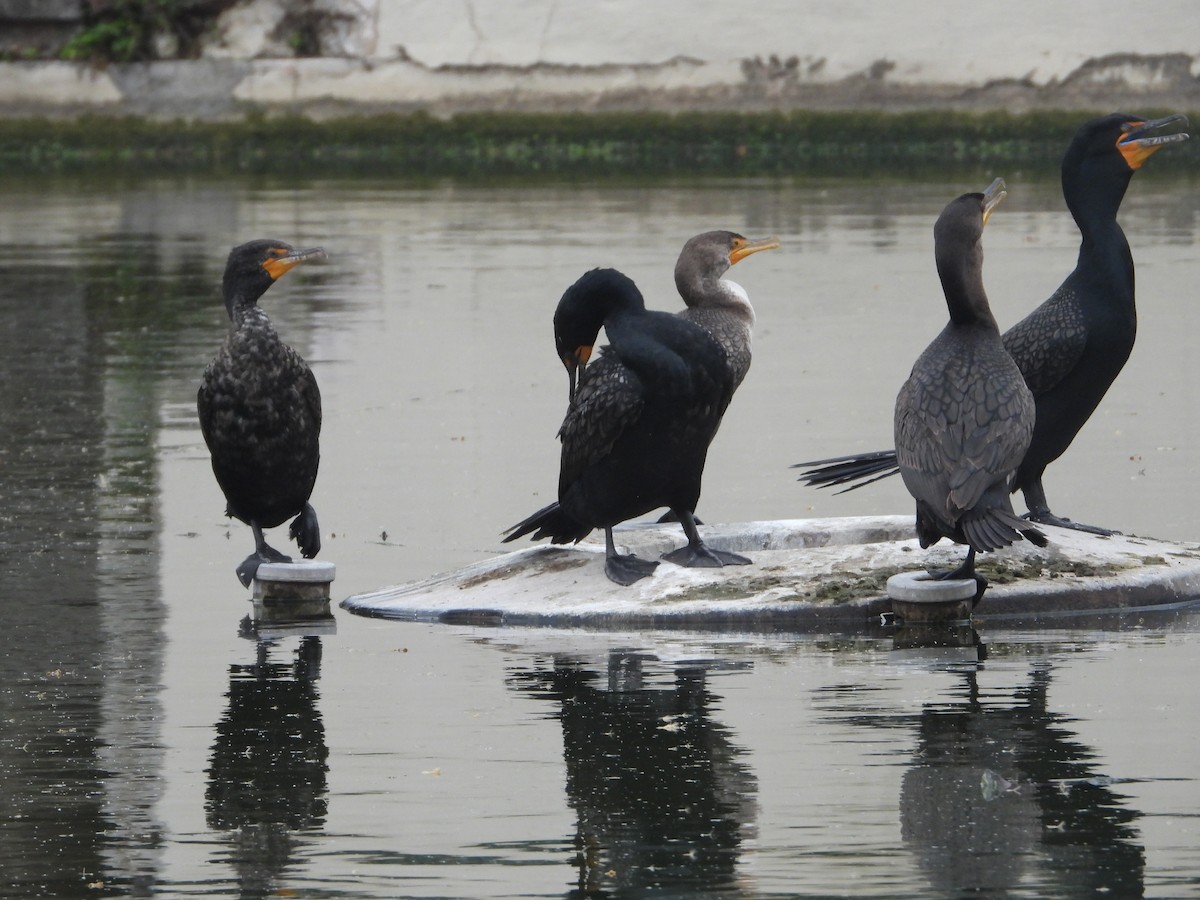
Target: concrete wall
448, 56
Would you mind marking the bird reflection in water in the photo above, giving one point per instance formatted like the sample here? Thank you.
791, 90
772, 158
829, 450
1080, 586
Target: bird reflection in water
267, 777
661, 796
1002, 794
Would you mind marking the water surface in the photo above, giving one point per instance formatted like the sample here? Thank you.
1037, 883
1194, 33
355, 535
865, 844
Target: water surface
152, 747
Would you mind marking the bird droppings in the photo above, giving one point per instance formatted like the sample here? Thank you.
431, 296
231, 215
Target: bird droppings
805, 573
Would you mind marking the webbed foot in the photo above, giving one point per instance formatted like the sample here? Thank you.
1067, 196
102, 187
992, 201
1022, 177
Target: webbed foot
306, 532
1043, 516
1039, 511
249, 567
702, 556
625, 570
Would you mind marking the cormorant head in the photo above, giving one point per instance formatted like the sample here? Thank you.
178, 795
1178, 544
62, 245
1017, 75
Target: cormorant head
1101, 159
582, 311
960, 226
256, 265
1108, 150
958, 250
708, 256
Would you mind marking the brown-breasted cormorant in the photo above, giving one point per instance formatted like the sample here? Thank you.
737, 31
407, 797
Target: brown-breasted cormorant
964, 418
1071, 348
642, 416
260, 410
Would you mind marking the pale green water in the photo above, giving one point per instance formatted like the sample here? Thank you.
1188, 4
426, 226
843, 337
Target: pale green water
149, 750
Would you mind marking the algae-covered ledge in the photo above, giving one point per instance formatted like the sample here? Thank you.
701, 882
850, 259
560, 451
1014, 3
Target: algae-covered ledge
489, 144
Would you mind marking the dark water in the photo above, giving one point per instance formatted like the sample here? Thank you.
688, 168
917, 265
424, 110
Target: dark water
151, 746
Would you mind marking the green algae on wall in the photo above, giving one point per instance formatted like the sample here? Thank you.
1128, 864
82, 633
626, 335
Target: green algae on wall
825, 143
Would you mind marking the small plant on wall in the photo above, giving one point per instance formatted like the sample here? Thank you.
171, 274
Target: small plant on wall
141, 30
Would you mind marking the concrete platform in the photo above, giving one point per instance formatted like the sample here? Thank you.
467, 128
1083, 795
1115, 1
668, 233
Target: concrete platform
807, 574
292, 594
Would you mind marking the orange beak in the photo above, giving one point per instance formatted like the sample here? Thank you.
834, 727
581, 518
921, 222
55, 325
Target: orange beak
277, 266
575, 361
1137, 145
743, 248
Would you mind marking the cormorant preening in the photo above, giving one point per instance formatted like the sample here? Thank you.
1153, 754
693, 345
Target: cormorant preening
964, 418
642, 416
717, 304
260, 410
1071, 348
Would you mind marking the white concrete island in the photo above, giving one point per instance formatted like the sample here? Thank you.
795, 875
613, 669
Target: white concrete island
807, 573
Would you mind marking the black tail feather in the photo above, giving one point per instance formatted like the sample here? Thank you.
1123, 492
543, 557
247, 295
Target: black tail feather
549, 521
1035, 536
857, 470
993, 528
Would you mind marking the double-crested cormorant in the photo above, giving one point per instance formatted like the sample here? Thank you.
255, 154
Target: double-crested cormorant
642, 416
718, 305
964, 418
260, 410
1071, 348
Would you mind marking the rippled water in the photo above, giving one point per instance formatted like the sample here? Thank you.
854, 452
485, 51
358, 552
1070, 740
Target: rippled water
152, 746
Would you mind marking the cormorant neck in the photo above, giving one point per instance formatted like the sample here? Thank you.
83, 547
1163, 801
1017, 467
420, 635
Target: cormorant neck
1104, 254
1104, 244
1094, 195
242, 293
1104, 271
1093, 187
243, 309
962, 283
709, 292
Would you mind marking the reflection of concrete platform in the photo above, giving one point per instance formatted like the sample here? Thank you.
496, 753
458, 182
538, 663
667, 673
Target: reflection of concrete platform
806, 572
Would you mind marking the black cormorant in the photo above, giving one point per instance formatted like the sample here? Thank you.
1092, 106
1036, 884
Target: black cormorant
964, 418
260, 410
642, 416
1071, 348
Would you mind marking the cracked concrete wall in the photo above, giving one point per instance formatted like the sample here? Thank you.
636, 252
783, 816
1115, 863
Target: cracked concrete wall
927, 40
450, 56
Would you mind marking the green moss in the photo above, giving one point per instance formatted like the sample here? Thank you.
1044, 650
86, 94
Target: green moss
829, 590
852, 587
734, 144
1008, 571
841, 587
